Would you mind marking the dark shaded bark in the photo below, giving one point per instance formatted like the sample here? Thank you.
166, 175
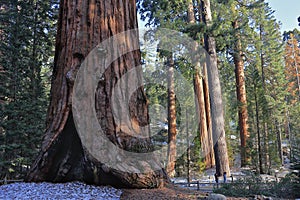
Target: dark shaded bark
217, 113
259, 144
82, 26
279, 142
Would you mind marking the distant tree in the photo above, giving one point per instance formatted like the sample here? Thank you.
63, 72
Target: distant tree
269, 84
241, 90
292, 63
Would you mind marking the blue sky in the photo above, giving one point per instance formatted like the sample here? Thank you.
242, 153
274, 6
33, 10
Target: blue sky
287, 12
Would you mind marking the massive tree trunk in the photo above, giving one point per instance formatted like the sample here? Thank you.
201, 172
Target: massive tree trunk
171, 118
64, 155
205, 138
217, 115
208, 114
241, 94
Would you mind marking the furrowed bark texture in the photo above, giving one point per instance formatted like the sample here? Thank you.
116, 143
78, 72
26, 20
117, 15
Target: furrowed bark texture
200, 98
83, 24
217, 115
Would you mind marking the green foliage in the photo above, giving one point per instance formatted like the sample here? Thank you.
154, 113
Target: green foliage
263, 58
26, 50
264, 71
248, 186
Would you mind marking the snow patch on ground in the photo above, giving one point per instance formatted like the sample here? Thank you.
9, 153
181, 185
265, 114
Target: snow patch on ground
72, 190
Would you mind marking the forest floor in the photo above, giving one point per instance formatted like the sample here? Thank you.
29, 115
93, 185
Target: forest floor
168, 192
165, 193
176, 192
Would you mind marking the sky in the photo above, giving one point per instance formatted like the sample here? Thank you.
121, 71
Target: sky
287, 12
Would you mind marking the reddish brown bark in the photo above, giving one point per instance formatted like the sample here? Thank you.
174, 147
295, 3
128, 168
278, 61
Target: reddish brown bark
205, 134
171, 119
208, 115
82, 26
241, 95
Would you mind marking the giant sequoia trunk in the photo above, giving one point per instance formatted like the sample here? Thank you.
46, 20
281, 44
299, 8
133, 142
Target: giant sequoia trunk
217, 115
202, 101
208, 115
64, 157
241, 95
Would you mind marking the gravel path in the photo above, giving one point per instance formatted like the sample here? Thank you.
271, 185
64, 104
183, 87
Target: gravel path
73, 190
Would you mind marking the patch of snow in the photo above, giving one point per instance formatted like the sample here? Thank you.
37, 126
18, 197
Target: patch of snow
72, 190
233, 137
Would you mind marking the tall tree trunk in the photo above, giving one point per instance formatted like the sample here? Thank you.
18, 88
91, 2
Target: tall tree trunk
205, 139
266, 148
188, 151
217, 113
64, 157
241, 94
208, 114
260, 156
279, 141
265, 114
171, 118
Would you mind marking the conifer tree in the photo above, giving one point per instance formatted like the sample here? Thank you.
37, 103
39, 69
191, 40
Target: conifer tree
26, 48
292, 55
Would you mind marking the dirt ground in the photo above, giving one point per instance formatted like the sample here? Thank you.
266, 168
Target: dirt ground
165, 193
169, 192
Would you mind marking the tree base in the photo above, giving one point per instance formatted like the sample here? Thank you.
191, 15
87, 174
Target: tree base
66, 160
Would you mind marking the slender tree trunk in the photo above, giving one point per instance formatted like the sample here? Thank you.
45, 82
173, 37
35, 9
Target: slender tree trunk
260, 156
188, 151
206, 143
63, 157
171, 118
241, 95
218, 124
288, 131
265, 125
279, 141
266, 147
34, 63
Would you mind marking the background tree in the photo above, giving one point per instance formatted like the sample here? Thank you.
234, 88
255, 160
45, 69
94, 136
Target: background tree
292, 76
218, 123
27, 35
201, 89
271, 102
